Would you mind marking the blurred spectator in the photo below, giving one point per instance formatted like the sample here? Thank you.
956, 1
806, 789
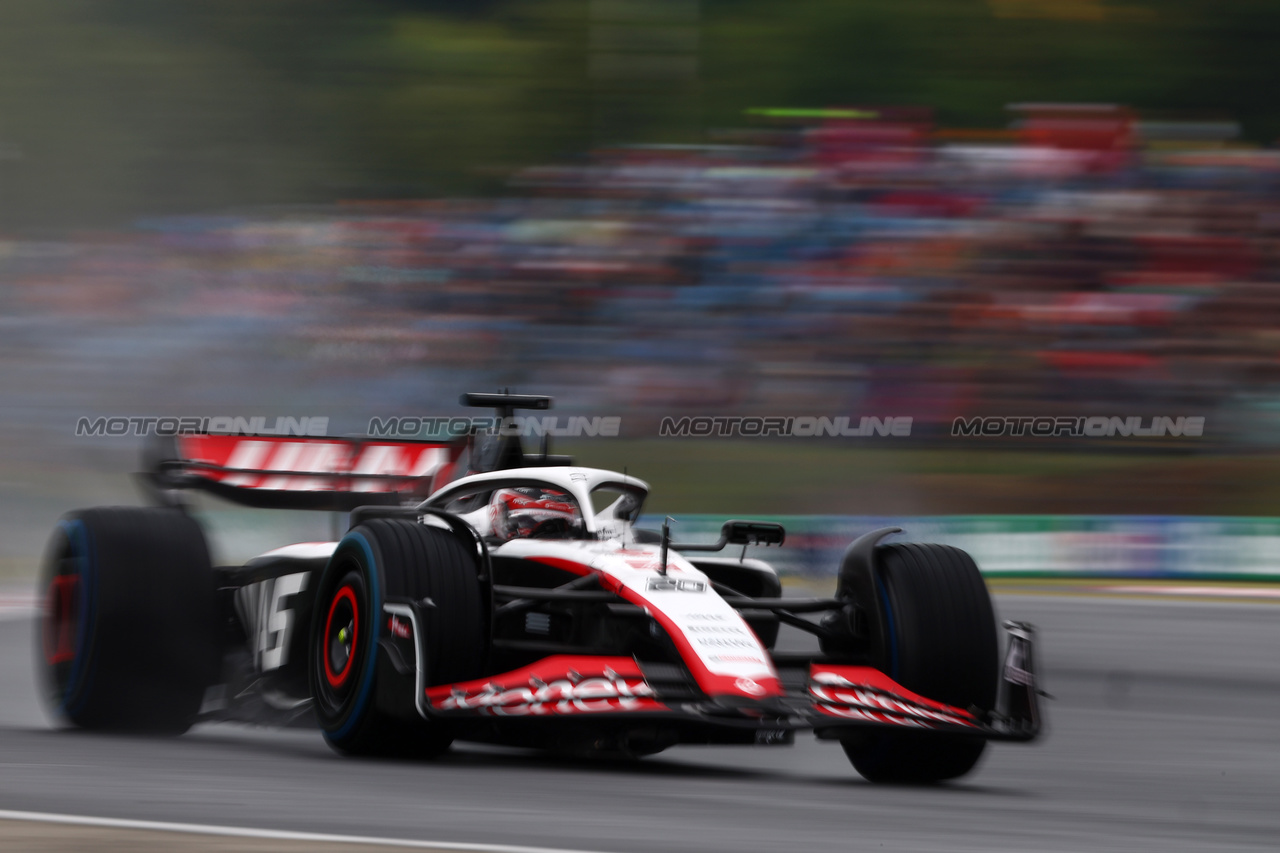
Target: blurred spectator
847, 268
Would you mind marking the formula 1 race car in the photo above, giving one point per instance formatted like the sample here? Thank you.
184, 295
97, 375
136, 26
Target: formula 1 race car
518, 603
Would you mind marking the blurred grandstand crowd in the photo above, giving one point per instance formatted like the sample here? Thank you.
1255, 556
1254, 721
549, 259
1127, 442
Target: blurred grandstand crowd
829, 263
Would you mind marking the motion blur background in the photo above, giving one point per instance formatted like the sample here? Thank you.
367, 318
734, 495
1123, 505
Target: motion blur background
925, 208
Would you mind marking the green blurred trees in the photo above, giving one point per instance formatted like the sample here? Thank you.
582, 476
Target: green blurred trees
115, 108
969, 58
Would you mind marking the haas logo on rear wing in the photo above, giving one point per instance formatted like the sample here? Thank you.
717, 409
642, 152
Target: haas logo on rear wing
308, 473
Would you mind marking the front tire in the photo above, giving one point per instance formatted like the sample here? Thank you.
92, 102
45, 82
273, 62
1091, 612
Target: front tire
405, 561
941, 642
128, 639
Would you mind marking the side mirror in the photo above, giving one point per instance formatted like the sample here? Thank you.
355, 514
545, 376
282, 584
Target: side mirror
736, 533
752, 533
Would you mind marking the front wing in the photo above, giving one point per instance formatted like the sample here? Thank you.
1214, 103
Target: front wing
829, 698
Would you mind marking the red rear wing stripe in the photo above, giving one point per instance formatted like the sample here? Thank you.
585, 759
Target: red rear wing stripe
306, 464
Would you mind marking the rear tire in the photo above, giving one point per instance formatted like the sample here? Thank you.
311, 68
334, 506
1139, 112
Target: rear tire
941, 643
397, 559
128, 639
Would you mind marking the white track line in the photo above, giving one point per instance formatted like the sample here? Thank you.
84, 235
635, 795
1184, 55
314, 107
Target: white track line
15, 604
1151, 601
1199, 591
271, 834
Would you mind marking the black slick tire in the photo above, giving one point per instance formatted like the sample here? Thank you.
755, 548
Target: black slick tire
128, 638
941, 642
403, 560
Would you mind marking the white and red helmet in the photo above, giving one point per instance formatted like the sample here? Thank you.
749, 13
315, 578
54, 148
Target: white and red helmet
524, 512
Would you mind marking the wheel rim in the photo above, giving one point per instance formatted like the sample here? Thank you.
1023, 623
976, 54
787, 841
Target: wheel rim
62, 619
341, 634
63, 624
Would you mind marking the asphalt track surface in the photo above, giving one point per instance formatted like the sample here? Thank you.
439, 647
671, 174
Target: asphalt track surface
1165, 735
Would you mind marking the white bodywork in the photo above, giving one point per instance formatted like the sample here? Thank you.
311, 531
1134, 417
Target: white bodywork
720, 649
722, 652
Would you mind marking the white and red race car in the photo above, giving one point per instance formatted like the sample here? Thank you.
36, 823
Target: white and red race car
517, 604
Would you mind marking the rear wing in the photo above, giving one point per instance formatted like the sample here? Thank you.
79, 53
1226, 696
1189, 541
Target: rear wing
297, 472
337, 474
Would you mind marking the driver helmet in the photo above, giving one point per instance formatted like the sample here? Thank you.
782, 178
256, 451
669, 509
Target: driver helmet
526, 512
